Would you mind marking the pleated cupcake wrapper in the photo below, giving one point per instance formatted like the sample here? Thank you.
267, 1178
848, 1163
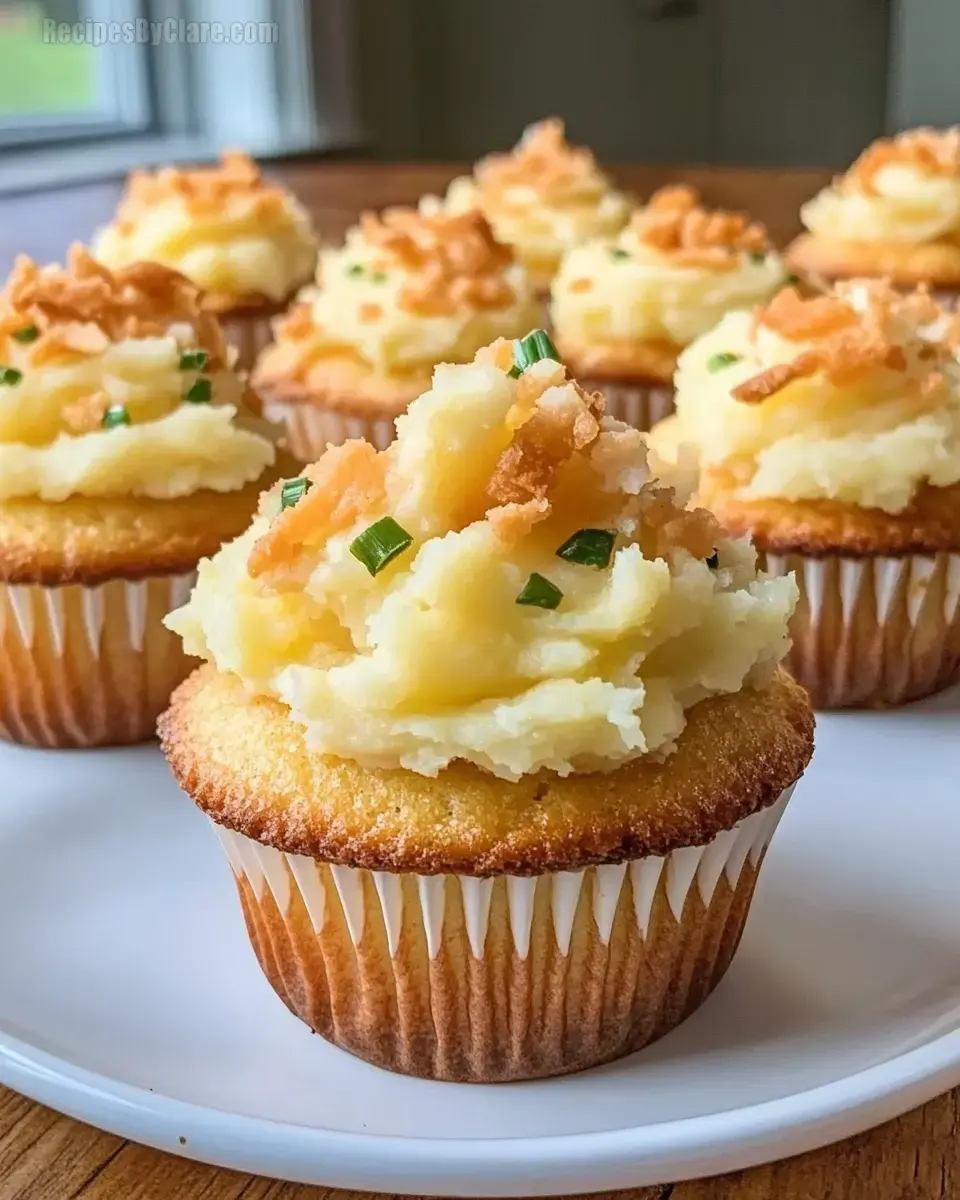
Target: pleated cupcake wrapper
874, 631
249, 333
509, 977
309, 428
88, 666
636, 404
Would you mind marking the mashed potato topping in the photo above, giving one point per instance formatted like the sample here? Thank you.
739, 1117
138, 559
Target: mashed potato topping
226, 228
849, 396
542, 197
118, 384
477, 639
409, 289
903, 189
671, 274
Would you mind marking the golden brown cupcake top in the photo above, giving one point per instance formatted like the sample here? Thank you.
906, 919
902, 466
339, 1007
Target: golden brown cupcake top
667, 278
506, 584
117, 384
901, 192
408, 289
542, 196
852, 396
236, 234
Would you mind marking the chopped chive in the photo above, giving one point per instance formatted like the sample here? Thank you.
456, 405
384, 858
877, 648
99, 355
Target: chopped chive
716, 362
530, 349
193, 360
589, 547
115, 416
791, 281
10, 376
380, 544
199, 392
354, 270
758, 256
617, 252
378, 277
30, 334
293, 490
713, 561
539, 592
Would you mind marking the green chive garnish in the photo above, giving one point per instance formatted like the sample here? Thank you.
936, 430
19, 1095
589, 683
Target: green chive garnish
791, 281
30, 334
716, 362
530, 349
758, 256
378, 277
713, 561
354, 270
616, 252
115, 416
589, 547
10, 376
199, 392
293, 491
540, 592
193, 360
380, 544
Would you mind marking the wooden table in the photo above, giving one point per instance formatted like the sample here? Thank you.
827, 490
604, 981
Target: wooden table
44, 1156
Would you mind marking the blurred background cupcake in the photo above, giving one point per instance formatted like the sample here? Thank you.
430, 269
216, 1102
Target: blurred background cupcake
829, 430
541, 198
895, 214
408, 290
492, 732
244, 240
127, 453
623, 308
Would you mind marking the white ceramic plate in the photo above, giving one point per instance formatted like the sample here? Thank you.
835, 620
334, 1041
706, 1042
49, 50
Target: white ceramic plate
129, 996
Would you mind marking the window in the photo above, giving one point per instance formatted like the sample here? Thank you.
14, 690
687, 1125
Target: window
94, 87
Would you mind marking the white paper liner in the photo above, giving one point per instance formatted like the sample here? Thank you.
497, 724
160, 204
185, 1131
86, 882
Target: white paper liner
249, 333
637, 404
309, 429
419, 973
874, 631
84, 666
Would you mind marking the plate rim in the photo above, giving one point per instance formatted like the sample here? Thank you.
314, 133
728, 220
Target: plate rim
562, 1164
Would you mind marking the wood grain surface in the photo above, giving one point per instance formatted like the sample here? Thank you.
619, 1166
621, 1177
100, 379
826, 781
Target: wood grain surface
44, 1156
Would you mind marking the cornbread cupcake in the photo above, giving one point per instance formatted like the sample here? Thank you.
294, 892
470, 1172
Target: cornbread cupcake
895, 213
541, 198
408, 290
492, 733
244, 240
623, 308
127, 453
829, 430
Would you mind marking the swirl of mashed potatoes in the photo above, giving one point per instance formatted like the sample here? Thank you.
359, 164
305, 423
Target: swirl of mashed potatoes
408, 289
118, 385
478, 640
852, 396
542, 197
240, 238
904, 189
670, 275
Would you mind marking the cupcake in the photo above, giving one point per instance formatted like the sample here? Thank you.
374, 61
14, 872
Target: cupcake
492, 732
829, 430
244, 240
895, 213
409, 289
126, 454
542, 198
623, 308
